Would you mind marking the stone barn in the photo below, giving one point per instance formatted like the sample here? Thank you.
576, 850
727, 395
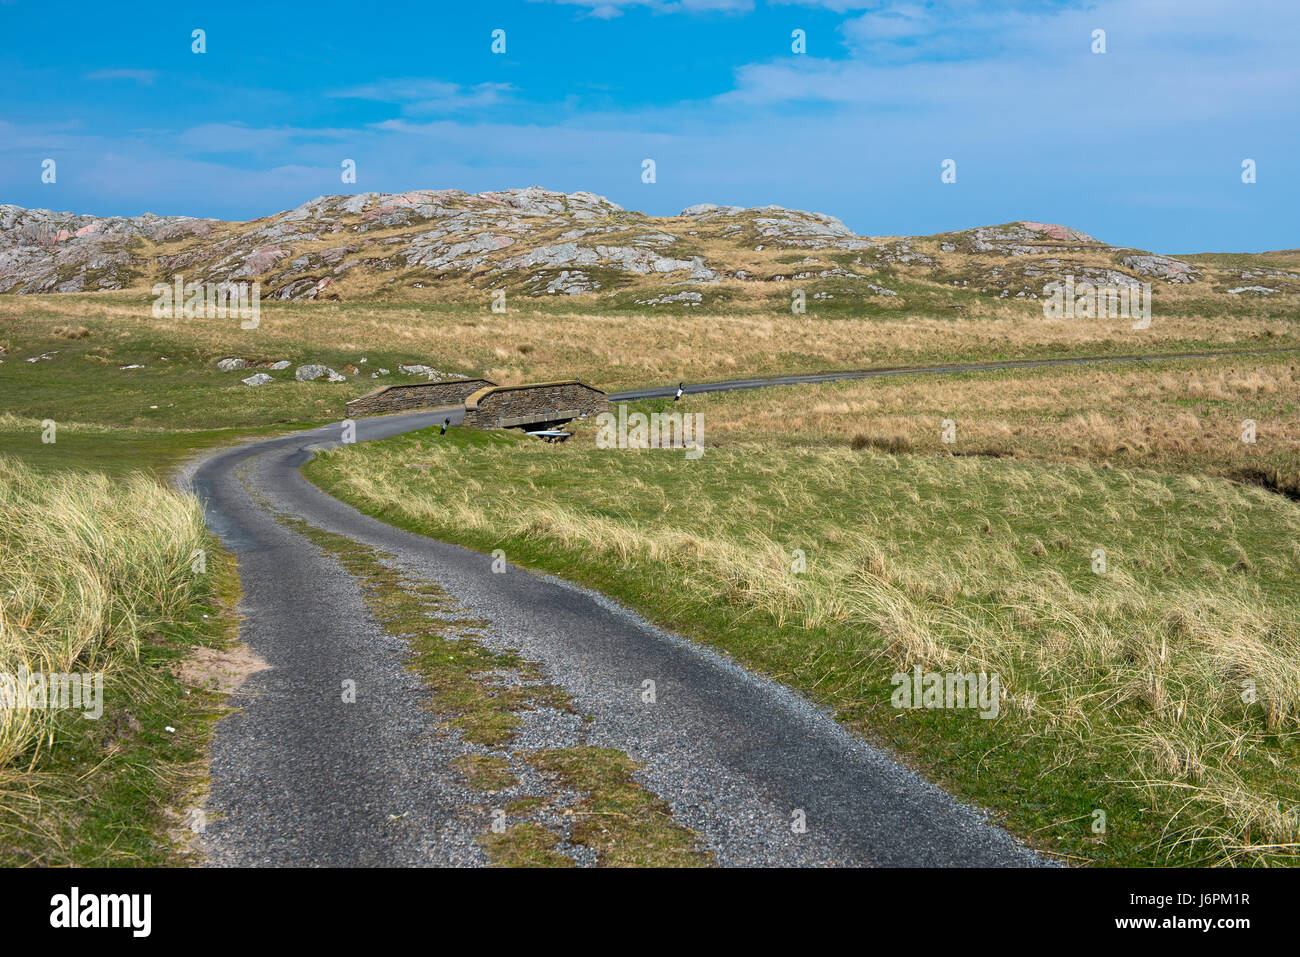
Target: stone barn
416, 395
542, 405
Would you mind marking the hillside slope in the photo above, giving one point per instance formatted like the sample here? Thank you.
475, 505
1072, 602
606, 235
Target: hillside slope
452, 245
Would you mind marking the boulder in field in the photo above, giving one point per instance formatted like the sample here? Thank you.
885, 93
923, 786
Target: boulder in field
260, 378
231, 364
416, 369
312, 371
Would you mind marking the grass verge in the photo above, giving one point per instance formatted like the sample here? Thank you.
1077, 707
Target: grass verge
88, 588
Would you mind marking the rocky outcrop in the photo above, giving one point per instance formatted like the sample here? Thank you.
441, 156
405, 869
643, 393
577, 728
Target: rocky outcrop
1161, 267
235, 363
1024, 238
530, 242
545, 242
44, 251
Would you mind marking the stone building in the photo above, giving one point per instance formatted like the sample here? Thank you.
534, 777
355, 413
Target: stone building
540, 405
416, 395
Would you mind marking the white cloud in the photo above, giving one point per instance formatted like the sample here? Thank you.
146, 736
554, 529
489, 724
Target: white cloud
422, 95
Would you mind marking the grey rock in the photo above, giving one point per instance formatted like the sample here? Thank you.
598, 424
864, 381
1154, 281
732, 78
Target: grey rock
311, 372
260, 378
1161, 267
709, 211
687, 298
572, 283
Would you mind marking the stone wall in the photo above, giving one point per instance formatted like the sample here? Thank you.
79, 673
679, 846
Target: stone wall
533, 406
416, 395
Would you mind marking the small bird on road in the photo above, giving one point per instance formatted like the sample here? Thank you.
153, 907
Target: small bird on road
678, 396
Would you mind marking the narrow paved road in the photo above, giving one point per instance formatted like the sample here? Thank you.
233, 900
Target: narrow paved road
734, 385
300, 778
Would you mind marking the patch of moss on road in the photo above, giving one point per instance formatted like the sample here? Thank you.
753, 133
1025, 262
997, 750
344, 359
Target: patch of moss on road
594, 802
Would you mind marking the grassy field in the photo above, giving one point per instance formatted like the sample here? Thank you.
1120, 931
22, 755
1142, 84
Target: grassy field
1174, 416
1124, 690
614, 348
1163, 692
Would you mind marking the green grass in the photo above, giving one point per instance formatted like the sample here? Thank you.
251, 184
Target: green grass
84, 381
107, 792
739, 332
87, 586
1124, 690
1287, 260
114, 792
119, 451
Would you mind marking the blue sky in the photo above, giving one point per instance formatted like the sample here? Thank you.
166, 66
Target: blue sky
1141, 145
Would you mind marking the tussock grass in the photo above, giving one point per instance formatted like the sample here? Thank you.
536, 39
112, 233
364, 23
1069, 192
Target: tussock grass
89, 567
1165, 691
1184, 416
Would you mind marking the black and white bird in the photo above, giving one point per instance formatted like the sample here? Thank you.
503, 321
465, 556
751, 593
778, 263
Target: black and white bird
678, 396
445, 423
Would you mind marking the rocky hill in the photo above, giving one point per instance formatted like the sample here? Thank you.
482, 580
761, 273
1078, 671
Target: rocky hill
448, 244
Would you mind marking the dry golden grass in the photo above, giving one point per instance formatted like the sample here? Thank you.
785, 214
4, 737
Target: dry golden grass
82, 579
543, 341
1178, 416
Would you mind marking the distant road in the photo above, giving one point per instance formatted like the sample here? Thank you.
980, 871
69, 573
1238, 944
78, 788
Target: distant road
735, 385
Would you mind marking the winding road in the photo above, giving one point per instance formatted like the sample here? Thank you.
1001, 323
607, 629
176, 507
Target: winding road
299, 777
